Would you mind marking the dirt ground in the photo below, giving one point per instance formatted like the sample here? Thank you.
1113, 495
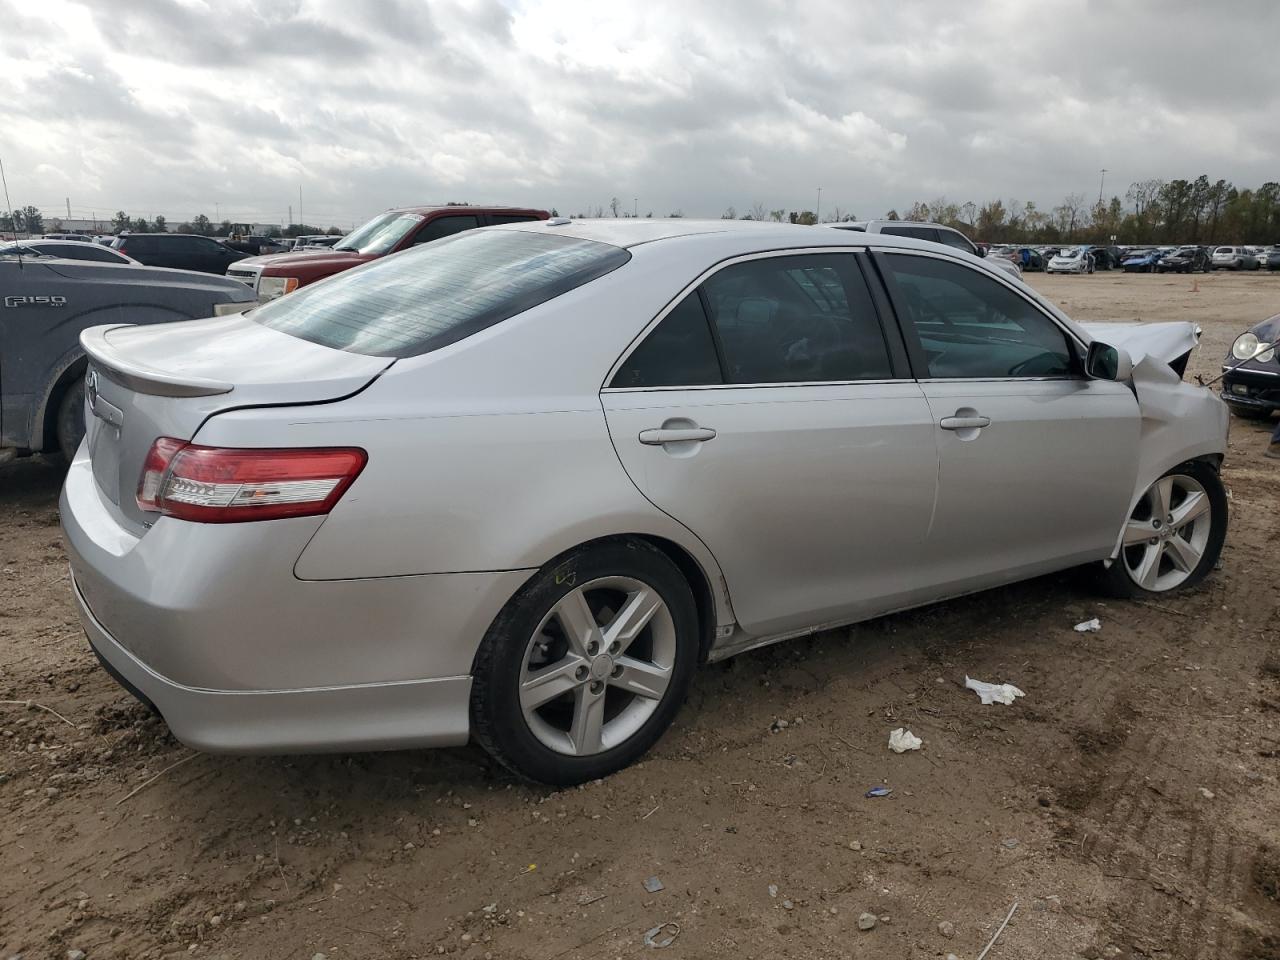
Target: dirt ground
1128, 804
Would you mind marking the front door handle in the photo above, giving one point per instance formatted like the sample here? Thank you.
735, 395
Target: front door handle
964, 423
657, 437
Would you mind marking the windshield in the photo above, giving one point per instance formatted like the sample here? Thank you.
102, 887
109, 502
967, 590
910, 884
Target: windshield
380, 234
1069, 254
440, 292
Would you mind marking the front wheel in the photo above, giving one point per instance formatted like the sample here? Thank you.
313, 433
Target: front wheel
1174, 534
586, 667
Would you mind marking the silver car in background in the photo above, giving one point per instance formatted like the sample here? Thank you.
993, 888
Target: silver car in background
516, 484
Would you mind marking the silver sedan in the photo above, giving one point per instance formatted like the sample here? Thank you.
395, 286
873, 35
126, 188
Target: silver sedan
517, 484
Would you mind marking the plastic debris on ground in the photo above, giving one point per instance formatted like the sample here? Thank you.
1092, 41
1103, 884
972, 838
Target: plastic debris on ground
991, 693
662, 936
1089, 626
879, 792
901, 740
653, 885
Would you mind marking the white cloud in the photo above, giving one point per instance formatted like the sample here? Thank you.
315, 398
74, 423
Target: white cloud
159, 106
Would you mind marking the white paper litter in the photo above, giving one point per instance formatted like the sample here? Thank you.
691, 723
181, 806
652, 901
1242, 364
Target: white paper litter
900, 741
991, 693
1089, 626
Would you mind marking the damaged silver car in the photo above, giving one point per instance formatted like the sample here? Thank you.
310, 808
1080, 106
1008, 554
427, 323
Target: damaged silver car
516, 484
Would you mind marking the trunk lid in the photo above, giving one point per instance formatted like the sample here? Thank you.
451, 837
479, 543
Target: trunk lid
165, 380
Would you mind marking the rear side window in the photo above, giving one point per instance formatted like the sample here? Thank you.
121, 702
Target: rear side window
916, 233
429, 297
678, 352
796, 319
138, 245
972, 326
445, 227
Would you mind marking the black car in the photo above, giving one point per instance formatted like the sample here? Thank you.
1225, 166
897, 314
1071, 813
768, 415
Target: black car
184, 251
1106, 258
1273, 259
1252, 388
1186, 260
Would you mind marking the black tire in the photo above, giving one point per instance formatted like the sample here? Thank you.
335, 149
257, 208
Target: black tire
70, 424
1115, 578
498, 722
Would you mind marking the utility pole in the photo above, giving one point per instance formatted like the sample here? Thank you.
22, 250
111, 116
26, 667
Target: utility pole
291, 214
217, 216
68, 208
818, 215
1100, 183
299, 203
635, 206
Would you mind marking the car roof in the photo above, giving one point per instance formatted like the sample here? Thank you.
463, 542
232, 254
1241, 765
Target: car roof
457, 208
744, 235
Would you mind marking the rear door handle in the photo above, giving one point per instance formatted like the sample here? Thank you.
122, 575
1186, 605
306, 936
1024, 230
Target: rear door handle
964, 423
657, 437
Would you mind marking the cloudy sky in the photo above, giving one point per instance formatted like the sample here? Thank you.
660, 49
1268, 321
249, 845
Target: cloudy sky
186, 106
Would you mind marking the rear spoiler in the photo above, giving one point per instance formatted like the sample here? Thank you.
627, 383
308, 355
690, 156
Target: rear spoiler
139, 377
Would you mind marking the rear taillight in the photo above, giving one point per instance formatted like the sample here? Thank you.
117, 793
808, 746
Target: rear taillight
233, 485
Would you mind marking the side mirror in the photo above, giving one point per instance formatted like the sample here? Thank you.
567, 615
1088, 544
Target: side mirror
1105, 362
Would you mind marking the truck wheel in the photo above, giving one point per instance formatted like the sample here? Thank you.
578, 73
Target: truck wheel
70, 425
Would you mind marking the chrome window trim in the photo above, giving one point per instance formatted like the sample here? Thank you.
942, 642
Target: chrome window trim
759, 386
690, 287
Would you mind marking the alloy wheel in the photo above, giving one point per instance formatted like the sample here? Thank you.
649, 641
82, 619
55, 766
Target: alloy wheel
598, 666
1167, 533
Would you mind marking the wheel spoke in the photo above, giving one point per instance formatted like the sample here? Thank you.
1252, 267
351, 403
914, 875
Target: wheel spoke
588, 721
578, 622
1161, 497
1184, 556
648, 680
550, 682
634, 616
1138, 531
1196, 505
1149, 568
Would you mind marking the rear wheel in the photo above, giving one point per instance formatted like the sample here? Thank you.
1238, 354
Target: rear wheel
70, 423
587, 665
1173, 536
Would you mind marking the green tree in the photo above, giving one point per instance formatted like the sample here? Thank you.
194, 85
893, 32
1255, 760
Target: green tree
30, 220
224, 229
140, 225
200, 224
160, 224
120, 221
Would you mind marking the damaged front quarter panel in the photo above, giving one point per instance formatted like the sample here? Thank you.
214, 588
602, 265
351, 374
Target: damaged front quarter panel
1180, 421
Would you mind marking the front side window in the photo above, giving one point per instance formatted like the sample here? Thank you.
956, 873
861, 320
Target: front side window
953, 238
434, 295
796, 319
972, 326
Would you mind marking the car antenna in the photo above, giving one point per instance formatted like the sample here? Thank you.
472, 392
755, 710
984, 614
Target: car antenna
5, 182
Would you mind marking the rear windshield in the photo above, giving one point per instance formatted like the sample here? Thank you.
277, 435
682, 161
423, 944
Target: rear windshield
438, 293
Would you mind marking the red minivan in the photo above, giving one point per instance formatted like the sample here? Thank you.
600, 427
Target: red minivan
274, 275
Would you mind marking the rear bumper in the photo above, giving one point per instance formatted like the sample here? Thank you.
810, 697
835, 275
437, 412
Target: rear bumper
210, 624
373, 716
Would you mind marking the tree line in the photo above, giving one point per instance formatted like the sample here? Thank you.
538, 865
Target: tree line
30, 220
1152, 211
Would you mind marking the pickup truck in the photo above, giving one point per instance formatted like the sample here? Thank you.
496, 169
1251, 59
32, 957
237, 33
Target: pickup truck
390, 232
45, 302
